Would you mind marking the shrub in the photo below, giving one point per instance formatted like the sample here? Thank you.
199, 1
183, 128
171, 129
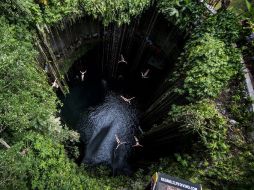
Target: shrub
206, 66
26, 99
183, 13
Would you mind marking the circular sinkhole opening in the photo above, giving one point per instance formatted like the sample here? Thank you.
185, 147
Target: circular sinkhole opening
113, 84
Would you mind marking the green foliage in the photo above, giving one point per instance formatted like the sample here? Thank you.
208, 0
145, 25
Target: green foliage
248, 5
56, 10
102, 173
183, 13
206, 67
43, 166
17, 10
46, 166
238, 100
210, 58
238, 6
119, 11
221, 158
26, 99
244, 7
231, 172
31, 12
204, 119
38, 12
225, 26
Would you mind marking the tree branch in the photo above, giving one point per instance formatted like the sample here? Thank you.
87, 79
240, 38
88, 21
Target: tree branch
4, 143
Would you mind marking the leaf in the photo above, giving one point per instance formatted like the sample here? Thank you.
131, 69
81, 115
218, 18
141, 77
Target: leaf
173, 12
248, 5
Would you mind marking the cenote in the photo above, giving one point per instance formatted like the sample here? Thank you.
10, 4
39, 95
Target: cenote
102, 94
114, 61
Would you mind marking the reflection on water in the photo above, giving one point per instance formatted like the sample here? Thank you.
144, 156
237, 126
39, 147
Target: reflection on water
81, 97
113, 117
99, 116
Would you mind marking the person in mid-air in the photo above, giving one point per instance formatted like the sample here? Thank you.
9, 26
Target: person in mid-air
128, 100
54, 84
137, 142
82, 75
122, 60
145, 74
119, 142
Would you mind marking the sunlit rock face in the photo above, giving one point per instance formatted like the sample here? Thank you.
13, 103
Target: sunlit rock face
114, 117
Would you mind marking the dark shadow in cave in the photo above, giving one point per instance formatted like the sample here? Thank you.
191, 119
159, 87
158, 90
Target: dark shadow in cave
86, 93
